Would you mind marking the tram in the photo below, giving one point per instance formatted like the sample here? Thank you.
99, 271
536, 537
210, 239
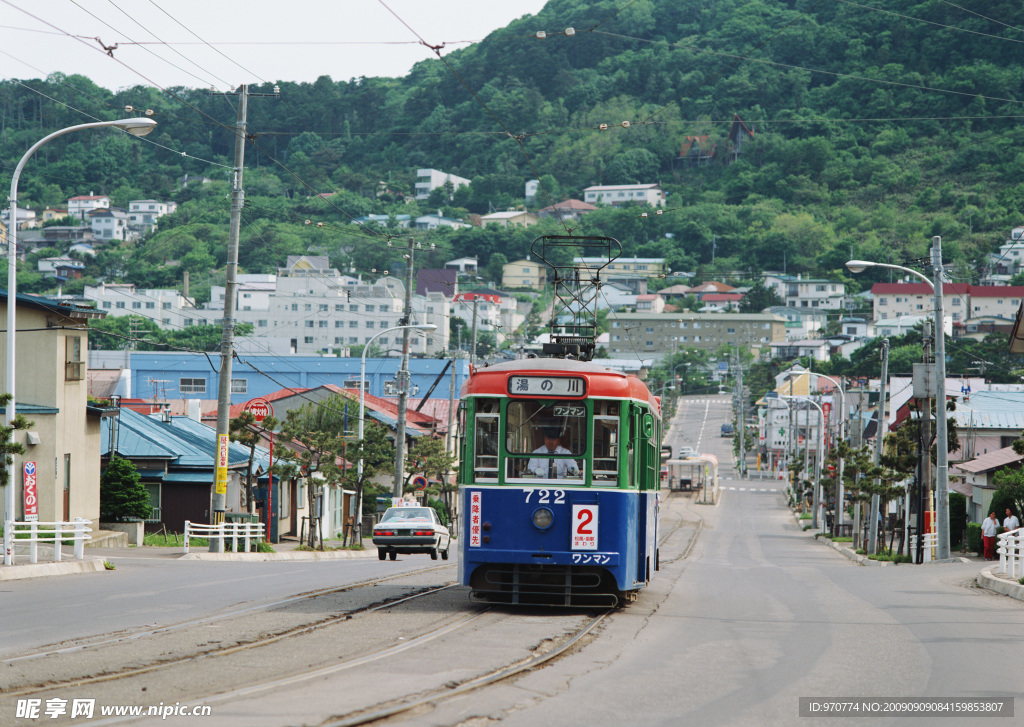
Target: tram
559, 478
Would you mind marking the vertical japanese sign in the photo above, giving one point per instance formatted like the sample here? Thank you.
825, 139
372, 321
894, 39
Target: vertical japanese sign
222, 465
826, 410
31, 492
475, 512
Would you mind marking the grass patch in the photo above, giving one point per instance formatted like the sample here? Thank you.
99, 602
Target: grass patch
860, 551
842, 539
108, 565
805, 516
168, 540
807, 527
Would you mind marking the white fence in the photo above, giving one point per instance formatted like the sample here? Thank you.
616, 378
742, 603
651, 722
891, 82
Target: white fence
33, 532
237, 532
1009, 546
931, 541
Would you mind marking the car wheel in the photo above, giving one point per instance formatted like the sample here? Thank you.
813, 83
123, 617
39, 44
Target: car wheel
393, 555
382, 554
444, 554
433, 554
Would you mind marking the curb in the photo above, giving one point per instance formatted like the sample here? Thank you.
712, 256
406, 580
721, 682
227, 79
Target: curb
43, 570
308, 555
986, 579
855, 557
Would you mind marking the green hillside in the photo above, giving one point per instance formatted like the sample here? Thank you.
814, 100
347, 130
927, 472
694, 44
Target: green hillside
874, 128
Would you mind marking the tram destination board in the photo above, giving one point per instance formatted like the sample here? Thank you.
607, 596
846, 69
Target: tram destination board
561, 386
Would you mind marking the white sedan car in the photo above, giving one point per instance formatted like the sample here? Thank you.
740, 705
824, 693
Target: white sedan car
411, 530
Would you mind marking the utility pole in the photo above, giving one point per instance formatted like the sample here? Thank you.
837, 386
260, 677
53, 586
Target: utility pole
220, 482
448, 438
403, 377
472, 350
741, 427
875, 499
941, 440
925, 469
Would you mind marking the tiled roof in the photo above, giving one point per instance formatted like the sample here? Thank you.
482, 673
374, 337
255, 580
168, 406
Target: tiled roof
990, 461
919, 289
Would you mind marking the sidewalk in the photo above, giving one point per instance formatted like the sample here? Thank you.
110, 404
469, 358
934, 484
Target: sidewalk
96, 558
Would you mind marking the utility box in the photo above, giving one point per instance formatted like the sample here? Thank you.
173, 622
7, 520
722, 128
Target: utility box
924, 381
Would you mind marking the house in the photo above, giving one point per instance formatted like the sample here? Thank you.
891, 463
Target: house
801, 323
616, 195
26, 218
901, 325
628, 272
696, 151
143, 213
61, 268
427, 180
975, 479
530, 189
568, 210
481, 309
910, 299
109, 224
720, 301
79, 207
383, 220
739, 136
432, 222
650, 303
67, 233
800, 292
188, 179
511, 218
52, 391
524, 274
53, 213
464, 265
817, 349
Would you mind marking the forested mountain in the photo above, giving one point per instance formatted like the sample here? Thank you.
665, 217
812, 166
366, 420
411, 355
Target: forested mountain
875, 126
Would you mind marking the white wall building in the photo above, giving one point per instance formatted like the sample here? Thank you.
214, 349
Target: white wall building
619, 194
143, 213
165, 307
800, 292
109, 224
428, 180
79, 207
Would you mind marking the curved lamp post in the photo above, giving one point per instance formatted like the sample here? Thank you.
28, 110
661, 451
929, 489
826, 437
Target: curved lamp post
941, 438
362, 407
840, 494
135, 127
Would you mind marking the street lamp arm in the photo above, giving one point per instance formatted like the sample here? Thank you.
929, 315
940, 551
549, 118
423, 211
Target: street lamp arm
859, 266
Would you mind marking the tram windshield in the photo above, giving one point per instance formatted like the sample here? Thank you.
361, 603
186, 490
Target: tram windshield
530, 425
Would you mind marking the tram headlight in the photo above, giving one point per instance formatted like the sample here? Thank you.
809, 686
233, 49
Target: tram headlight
543, 517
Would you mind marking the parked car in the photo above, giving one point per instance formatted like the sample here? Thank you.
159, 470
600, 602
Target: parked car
409, 530
687, 452
727, 429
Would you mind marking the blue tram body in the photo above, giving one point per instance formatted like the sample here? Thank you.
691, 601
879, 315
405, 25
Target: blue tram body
558, 484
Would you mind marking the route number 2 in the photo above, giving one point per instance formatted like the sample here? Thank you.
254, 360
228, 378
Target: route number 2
584, 527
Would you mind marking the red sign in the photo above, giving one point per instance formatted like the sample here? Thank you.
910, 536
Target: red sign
259, 408
31, 494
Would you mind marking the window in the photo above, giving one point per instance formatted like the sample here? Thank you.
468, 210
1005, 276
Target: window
650, 329
165, 306
307, 306
384, 341
338, 307
339, 324
150, 305
167, 321
74, 369
370, 308
307, 339
261, 323
309, 324
153, 490
384, 308
239, 386
295, 306
606, 445
531, 427
353, 324
321, 324
882, 301
119, 304
353, 308
338, 340
192, 386
369, 324
106, 304
430, 309
324, 307
353, 340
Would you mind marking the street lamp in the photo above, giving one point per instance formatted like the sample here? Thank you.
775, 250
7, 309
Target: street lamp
840, 495
135, 127
816, 502
362, 407
941, 440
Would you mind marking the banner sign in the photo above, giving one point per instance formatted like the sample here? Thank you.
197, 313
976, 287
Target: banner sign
222, 465
31, 492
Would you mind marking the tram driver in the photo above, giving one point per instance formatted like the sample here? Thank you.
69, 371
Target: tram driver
549, 467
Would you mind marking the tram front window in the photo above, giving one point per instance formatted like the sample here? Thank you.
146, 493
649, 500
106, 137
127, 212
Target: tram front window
554, 433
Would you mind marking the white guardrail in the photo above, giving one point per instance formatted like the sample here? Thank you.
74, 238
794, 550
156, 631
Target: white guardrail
1009, 546
931, 541
31, 533
243, 532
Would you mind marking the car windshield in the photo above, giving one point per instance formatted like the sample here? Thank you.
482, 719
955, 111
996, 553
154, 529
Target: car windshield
407, 514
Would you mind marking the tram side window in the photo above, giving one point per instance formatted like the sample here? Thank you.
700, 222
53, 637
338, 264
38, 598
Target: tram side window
485, 449
606, 442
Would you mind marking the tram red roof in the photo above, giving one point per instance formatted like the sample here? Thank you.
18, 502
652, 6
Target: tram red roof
601, 380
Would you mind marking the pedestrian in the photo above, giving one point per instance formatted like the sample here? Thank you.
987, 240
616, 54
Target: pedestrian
989, 528
1010, 522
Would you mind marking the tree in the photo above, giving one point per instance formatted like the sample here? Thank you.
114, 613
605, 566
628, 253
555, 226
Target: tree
758, 298
496, 266
1009, 493
8, 446
123, 497
311, 441
429, 456
245, 430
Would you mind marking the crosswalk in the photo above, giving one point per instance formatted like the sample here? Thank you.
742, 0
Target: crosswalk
753, 489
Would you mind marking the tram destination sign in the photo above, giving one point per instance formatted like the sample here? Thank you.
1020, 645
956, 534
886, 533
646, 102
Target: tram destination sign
571, 386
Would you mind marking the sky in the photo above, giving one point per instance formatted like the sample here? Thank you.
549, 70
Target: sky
168, 42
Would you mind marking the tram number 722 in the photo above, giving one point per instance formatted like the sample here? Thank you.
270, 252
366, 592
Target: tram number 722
544, 496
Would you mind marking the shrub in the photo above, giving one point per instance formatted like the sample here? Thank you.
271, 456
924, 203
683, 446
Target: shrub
974, 544
957, 519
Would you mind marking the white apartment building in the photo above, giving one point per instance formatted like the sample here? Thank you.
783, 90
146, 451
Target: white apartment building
893, 300
310, 308
620, 194
165, 307
79, 207
800, 292
143, 213
488, 312
427, 180
995, 300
